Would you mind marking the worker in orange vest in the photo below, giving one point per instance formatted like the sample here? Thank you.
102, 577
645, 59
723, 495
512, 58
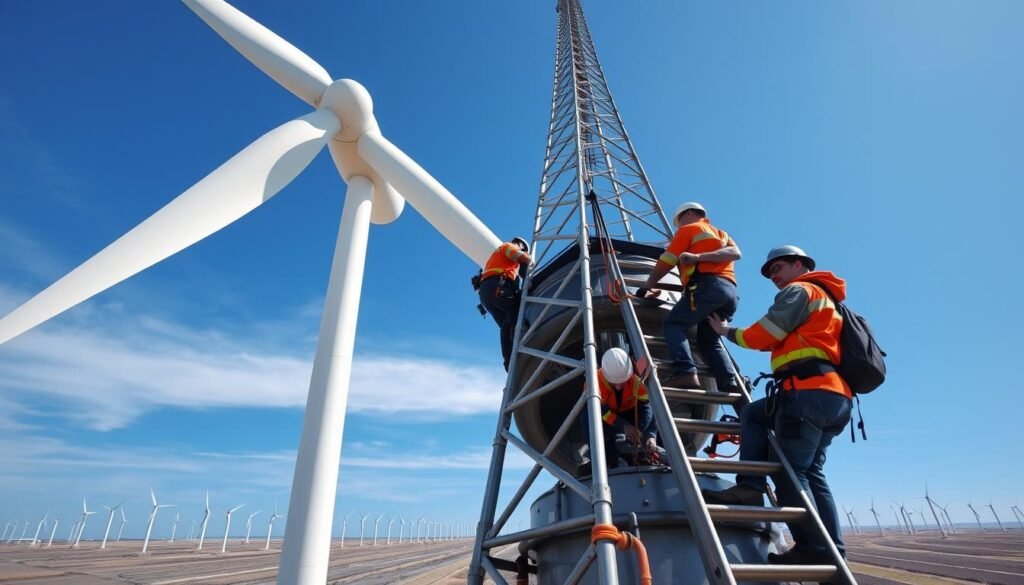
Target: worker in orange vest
808, 403
625, 409
499, 288
705, 256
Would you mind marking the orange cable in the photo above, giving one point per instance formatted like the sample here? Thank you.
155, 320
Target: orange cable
624, 541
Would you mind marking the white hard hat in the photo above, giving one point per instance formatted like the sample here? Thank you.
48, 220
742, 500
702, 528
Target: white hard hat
786, 251
521, 242
616, 366
684, 208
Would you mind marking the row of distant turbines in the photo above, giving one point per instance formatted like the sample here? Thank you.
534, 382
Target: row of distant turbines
421, 530
940, 514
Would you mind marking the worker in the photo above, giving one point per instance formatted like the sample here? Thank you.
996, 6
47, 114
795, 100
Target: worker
808, 403
499, 288
625, 410
705, 256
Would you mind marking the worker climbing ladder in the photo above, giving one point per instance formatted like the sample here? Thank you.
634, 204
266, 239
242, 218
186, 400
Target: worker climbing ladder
598, 231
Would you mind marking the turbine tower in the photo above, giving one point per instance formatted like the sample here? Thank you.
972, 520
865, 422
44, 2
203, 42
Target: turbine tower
248, 525
227, 527
110, 520
270, 526
84, 518
120, 528
152, 518
977, 518
206, 520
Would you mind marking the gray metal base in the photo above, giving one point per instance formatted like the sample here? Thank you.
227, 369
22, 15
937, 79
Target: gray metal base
652, 494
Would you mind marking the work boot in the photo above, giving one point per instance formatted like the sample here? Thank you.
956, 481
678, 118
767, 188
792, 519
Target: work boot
687, 380
800, 556
741, 494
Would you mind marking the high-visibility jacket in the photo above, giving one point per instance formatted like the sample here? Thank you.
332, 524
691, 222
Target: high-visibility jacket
695, 238
504, 261
801, 325
632, 396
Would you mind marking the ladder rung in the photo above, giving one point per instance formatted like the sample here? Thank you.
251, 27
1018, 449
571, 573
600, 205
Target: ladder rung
817, 573
702, 396
720, 512
724, 466
654, 339
692, 425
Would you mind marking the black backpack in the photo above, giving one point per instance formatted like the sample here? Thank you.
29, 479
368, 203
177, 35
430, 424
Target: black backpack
861, 360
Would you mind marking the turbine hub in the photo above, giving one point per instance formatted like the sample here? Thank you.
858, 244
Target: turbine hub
350, 101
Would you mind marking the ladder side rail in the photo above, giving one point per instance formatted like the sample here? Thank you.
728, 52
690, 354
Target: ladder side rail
556, 528
790, 475
557, 293
716, 566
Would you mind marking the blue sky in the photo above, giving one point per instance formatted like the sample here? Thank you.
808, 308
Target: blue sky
882, 137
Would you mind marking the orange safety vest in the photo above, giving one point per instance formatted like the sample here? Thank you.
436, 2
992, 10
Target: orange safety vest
503, 261
695, 238
817, 337
635, 391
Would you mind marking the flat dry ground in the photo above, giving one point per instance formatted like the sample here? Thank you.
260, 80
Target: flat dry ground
924, 559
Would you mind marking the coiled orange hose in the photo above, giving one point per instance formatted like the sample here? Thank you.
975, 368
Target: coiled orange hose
624, 541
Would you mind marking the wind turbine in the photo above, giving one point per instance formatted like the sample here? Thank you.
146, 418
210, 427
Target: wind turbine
39, 527
24, 531
875, 514
248, 525
227, 527
191, 531
6, 528
376, 524
998, 521
949, 521
390, 524
110, 520
73, 532
344, 525
424, 521
908, 519
56, 521
1017, 514
270, 527
152, 518
375, 170
401, 528
174, 527
935, 515
976, 516
362, 525
120, 529
206, 520
85, 518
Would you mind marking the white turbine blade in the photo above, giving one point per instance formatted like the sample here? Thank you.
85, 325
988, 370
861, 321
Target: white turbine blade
240, 185
152, 494
236, 508
276, 57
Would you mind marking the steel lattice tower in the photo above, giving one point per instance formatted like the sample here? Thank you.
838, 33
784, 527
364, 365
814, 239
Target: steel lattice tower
588, 148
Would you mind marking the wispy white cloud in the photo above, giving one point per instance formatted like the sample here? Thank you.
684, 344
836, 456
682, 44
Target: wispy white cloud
104, 380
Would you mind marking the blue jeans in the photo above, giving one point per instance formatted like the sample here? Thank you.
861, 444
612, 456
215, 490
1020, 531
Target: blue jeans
805, 422
496, 295
713, 295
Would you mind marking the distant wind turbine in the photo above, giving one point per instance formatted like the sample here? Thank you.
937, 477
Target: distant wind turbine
875, 514
1017, 514
24, 531
85, 518
152, 518
362, 525
110, 520
401, 528
390, 524
191, 531
120, 528
56, 521
270, 526
6, 528
998, 521
35, 539
227, 527
931, 505
376, 524
949, 521
248, 525
206, 520
977, 518
344, 525
174, 527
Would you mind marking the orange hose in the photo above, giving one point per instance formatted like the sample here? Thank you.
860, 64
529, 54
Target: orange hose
624, 541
